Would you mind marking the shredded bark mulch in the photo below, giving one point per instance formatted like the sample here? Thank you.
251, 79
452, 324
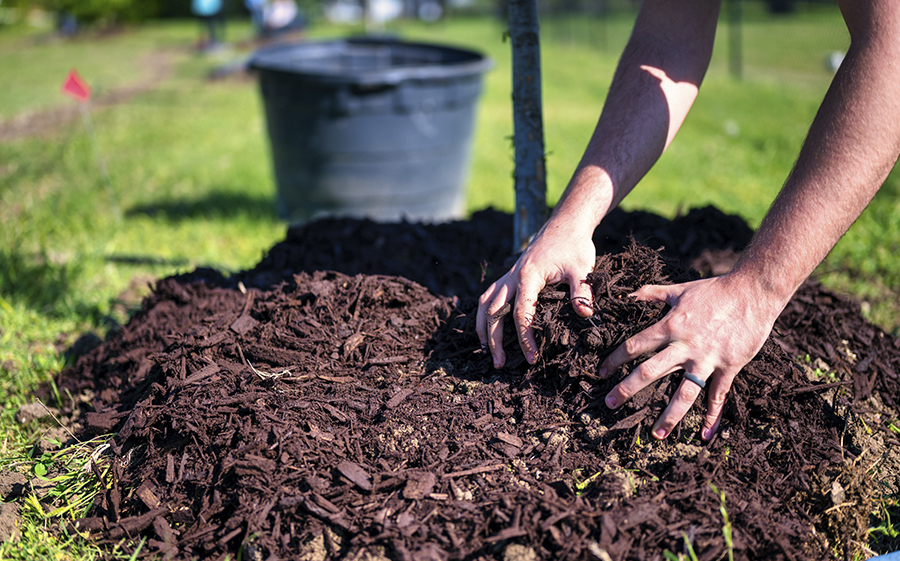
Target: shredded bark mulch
334, 403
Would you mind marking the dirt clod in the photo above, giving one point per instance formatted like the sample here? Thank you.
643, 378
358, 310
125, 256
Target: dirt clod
9, 522
12, 485
34, 411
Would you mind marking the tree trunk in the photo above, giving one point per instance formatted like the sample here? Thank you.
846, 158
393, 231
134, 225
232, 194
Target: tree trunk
530, 174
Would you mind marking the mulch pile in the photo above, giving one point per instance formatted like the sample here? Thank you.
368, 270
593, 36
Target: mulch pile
334, 403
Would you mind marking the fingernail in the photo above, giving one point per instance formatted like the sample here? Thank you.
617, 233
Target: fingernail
660, 433
496, 362
706, 434
603, 373
529, 356
611, 402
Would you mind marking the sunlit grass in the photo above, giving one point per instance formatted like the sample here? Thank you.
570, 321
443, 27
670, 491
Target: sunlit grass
71, 478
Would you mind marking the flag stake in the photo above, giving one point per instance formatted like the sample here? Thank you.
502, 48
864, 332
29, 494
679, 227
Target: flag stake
77, 88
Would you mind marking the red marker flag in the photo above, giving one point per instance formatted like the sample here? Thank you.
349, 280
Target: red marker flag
76, 87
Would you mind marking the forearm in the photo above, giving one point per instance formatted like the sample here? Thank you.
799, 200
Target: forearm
654, 86
852, 145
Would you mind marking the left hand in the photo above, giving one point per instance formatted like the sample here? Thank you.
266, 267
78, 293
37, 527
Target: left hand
715, 326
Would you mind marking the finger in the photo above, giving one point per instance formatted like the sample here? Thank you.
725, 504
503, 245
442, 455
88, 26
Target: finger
490, 305
523, 315
718, 391
646, 341
649, 371
681, 402
495, 342
582, 298
495, 325
654, 292
481, 318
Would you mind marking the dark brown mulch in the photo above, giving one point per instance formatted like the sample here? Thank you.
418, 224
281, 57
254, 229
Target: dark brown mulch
334, 403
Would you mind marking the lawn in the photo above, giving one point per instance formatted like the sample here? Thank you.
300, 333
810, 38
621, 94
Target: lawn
189, 180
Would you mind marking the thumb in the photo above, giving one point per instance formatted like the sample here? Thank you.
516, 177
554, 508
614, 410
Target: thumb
582, 298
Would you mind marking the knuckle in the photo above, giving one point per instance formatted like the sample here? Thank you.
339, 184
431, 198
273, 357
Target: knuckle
624, 394
524, 312
678, 323
631, 346
647, 373
688, 391
645, 376
520, 318
524, 277
717, 399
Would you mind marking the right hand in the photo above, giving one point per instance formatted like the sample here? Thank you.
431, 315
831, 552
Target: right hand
558, 253
713, 328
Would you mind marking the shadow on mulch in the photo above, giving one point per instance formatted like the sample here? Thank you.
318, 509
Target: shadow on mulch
334, 403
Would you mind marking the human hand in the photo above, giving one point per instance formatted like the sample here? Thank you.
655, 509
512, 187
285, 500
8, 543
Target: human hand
714, 327
560, 252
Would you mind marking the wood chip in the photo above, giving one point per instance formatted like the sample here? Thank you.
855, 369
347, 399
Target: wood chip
352, 343
419, 485
510, 439
147, 496
384, 361
399, 397
473, 471
243, 324
356, 474
337, 379
201, 374
631, 420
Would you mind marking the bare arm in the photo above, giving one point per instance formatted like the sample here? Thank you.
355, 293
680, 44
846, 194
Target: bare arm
654, 86
852, 145
717, 325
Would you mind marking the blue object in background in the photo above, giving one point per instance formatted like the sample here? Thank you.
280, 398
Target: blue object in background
256, 9
895, 556
206, 8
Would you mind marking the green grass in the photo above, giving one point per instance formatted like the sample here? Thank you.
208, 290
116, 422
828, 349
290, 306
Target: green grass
73, 475
189, 169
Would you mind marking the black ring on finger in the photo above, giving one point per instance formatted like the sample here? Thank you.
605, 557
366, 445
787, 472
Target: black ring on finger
695, 379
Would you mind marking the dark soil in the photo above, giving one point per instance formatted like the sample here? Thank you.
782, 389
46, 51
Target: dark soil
334, 403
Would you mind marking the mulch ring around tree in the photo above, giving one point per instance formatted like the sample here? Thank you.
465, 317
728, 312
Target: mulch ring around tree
334, 403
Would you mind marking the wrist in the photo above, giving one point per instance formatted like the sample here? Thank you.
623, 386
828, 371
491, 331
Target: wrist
765, 290
586, 200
